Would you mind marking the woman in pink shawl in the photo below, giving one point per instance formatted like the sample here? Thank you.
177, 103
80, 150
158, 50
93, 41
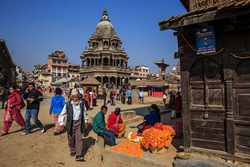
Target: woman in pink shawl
12, 113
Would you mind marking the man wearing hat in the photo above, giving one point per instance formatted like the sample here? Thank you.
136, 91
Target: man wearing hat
75, 110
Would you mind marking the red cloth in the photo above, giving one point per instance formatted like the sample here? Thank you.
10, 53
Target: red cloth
94, 95
57, 125
111, 122
86, 97
178, 104
15, 100
40, 90
15, 117
113, 94
147, 127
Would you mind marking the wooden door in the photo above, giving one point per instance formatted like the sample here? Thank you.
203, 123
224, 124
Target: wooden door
207, 99
242, 107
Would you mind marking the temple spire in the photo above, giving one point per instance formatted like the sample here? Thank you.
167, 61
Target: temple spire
105, 12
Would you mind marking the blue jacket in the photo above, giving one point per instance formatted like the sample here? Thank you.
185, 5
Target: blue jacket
153, 117
129, 93
57, 104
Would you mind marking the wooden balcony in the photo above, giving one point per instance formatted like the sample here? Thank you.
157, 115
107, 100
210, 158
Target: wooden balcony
203, 4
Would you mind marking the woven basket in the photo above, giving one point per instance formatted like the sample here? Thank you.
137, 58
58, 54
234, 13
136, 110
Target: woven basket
163, 150
156, 150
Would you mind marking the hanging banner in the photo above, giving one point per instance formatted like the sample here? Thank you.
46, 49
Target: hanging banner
205, 40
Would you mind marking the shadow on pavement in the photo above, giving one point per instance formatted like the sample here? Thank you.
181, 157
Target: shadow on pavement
87, 143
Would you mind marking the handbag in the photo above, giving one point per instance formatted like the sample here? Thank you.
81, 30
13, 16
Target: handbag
21, 106
141, 126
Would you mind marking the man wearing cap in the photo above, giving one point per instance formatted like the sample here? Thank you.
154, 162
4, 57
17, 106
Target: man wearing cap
75, 110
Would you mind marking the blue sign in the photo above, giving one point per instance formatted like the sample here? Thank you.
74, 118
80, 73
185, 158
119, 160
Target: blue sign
205, 40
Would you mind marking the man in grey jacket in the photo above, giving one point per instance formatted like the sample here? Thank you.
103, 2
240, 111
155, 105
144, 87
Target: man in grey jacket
77, 120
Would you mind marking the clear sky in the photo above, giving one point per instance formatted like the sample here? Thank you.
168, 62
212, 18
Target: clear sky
33, 29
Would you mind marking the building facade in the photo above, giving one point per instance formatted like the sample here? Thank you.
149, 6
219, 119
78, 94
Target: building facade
142, 72
42, 75
58, 65
7, 66
216, 85
105, 60
73, 71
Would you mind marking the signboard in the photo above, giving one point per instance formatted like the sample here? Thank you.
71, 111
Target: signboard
205, 40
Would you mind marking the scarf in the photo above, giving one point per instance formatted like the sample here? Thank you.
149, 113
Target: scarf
11, 95
8, 117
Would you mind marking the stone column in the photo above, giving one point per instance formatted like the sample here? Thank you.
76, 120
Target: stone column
108, 61
82, 64
102, 81
109, 80
116, 81
94, 62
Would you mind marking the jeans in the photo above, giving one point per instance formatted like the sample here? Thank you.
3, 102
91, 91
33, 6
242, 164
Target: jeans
111, 136
112, 101
104, 99
129, 100
94, 102
123, 100
34, 114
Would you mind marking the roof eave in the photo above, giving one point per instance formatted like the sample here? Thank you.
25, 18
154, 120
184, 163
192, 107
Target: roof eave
177, 22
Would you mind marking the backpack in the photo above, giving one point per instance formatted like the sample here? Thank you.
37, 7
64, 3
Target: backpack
20, 106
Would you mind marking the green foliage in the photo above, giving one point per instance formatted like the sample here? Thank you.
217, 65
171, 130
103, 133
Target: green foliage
99, 37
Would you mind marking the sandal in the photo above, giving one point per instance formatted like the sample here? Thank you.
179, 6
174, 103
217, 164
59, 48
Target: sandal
4, 133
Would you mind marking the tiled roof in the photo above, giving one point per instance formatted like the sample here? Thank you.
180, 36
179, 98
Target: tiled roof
90, 81
148, 83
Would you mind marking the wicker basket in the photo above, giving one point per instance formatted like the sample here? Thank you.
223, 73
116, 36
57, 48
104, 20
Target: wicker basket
156, 150
163, 150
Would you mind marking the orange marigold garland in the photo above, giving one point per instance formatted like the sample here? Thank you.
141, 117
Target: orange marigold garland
156, 137
129, 148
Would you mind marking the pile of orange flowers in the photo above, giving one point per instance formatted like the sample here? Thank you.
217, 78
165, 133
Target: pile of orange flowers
157, 138
133, 136
129, 148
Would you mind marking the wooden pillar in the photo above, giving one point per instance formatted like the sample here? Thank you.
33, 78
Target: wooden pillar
229, 103
230, 135
186, 108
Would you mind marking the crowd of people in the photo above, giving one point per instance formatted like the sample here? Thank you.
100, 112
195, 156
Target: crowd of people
76, 112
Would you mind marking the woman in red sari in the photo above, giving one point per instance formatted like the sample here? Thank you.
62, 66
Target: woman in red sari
86, 97
11, 111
